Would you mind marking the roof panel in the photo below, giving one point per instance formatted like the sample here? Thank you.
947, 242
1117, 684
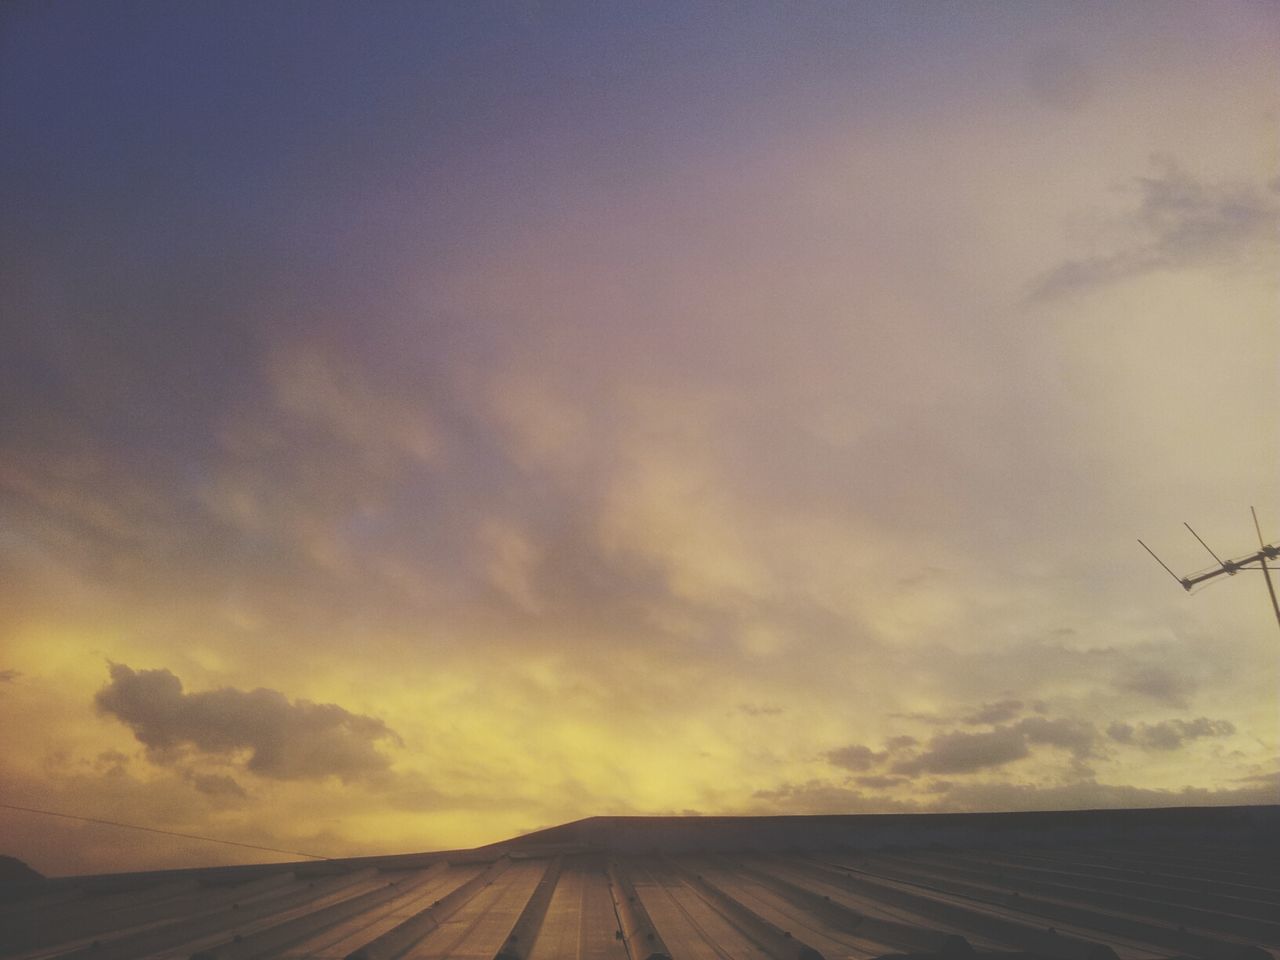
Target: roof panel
1133, 885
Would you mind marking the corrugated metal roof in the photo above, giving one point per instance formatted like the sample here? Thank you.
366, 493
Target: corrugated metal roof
1125, 886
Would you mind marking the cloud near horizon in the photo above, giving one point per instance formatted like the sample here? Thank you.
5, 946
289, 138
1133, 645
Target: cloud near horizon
1169, 734
283, 739
823, 797
964, 752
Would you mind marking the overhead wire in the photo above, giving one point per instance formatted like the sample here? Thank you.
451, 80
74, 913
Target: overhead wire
167, 833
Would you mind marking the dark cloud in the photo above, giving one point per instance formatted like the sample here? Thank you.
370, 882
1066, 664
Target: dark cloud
934, 719
285, 740
960, 752
1159, 683
8, 676
1179, 221
218, 785
880, 782
1078, 736
1169, 734
1120, 732
855, 757
998, 712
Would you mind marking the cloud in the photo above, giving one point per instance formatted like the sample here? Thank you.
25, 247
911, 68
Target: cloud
820, 796
960, 752
285, 740
218, 785
1271, 780
8, 676
1078, 736
310, 386
880, 782
1089, 794
1001, 711
998, 712
917, 716
1179, 221
760, 709
949, 796
855, 757
1169, 734
1159, 683
111, 763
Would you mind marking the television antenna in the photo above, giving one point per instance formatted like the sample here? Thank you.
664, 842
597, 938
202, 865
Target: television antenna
1254, 561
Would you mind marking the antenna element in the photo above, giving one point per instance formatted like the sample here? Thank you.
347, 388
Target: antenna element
1254, 561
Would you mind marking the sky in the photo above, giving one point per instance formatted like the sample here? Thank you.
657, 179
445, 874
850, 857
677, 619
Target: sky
422, 423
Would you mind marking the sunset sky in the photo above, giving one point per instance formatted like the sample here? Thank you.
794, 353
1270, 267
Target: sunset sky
422, 423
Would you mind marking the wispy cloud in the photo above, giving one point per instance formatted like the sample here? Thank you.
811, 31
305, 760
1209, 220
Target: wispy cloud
999, 712
818, 796
1160, 683
1169, 734
1179, 221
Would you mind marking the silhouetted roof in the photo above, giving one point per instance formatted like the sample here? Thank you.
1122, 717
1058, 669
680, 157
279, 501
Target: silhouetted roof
1092, 885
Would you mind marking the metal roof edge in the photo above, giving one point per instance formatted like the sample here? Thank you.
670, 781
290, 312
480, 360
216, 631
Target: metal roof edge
649, 834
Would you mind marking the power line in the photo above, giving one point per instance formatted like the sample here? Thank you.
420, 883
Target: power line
167, 833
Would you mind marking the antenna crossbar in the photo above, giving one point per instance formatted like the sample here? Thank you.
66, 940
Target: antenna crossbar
1254, 561
1230, 567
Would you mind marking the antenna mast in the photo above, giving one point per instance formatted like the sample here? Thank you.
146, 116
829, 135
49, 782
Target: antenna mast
1254, 561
